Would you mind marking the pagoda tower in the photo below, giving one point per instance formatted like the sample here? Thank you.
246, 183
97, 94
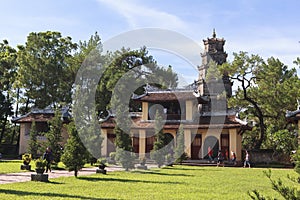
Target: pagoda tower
213, 51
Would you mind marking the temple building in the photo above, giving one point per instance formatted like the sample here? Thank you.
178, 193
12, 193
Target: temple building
201, 109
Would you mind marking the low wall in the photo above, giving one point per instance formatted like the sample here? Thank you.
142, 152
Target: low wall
268, 156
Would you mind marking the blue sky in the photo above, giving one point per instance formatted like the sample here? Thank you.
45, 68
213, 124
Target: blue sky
267, 28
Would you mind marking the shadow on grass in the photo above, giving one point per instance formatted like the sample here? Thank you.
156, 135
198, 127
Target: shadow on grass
38, 195
195, 168
125, 180
159, 173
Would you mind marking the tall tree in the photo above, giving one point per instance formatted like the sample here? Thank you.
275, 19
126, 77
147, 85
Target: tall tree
54, 136
266, 90
44, 67
141, 66
33, 143
8, 67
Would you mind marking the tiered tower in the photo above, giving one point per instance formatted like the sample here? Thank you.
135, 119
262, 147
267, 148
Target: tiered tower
213, 51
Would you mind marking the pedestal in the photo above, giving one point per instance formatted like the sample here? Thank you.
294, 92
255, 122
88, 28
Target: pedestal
26, 167
39, 177
102, 171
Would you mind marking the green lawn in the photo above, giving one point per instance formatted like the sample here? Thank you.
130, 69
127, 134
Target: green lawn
10, 166
179, 182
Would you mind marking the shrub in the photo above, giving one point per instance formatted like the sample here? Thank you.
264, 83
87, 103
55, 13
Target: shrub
26, 158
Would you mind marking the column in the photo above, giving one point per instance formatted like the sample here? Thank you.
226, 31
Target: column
142, 143
144, 110
235, 143
104, 142
188, 141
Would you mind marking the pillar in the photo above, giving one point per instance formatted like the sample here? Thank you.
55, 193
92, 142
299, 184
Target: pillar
144, 110
235, 143
142, 143
104, 142
188, 141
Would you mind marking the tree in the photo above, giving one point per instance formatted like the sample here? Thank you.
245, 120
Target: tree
124, 150
8, 67
180, 155
159, 152
54, 135
74, 154
33, 144
44, 68
266, 90
142, 67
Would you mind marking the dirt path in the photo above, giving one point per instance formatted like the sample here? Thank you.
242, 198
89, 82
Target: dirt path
26, 176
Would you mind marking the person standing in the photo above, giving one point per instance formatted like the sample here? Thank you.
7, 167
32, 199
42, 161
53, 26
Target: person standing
210, 153
48, 157
233, 157
247, 160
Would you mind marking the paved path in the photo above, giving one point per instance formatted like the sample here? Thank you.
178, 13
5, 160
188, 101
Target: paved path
26, 176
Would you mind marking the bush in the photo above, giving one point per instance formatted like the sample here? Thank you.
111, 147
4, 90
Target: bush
26, 158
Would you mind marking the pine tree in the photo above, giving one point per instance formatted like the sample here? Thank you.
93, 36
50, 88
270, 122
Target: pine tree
54, 136
75, 154
159, 152
33, 143
180, 155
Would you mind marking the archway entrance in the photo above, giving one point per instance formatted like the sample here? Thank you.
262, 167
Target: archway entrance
196, 147
213, 143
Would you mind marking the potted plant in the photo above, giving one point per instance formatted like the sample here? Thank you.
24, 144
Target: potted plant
26, 161
142, 163
40, 165
101, 167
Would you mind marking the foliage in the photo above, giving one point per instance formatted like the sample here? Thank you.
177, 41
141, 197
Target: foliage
287, 192
46, 54
40, 163
266, 90
180, 155
75, 154
54, 136
159, 152
26, 157
8, 68
33, 144
138, 64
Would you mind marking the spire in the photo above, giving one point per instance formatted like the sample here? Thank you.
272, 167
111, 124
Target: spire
214, 33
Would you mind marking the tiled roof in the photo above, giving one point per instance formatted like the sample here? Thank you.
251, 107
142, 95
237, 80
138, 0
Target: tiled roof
41, 115
204, 122
158, 96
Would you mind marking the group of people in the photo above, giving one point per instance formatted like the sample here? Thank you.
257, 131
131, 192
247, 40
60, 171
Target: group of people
220, 157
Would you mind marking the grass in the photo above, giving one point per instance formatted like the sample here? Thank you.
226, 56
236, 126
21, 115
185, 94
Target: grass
179, 182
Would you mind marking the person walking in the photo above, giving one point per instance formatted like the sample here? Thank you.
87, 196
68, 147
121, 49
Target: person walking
247, 160
49, 158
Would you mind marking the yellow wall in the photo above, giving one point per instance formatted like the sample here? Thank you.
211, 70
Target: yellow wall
189, 110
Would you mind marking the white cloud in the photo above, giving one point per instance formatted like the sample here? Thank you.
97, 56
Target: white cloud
138, 15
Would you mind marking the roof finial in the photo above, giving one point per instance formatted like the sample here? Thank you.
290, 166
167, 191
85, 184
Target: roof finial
214, 34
